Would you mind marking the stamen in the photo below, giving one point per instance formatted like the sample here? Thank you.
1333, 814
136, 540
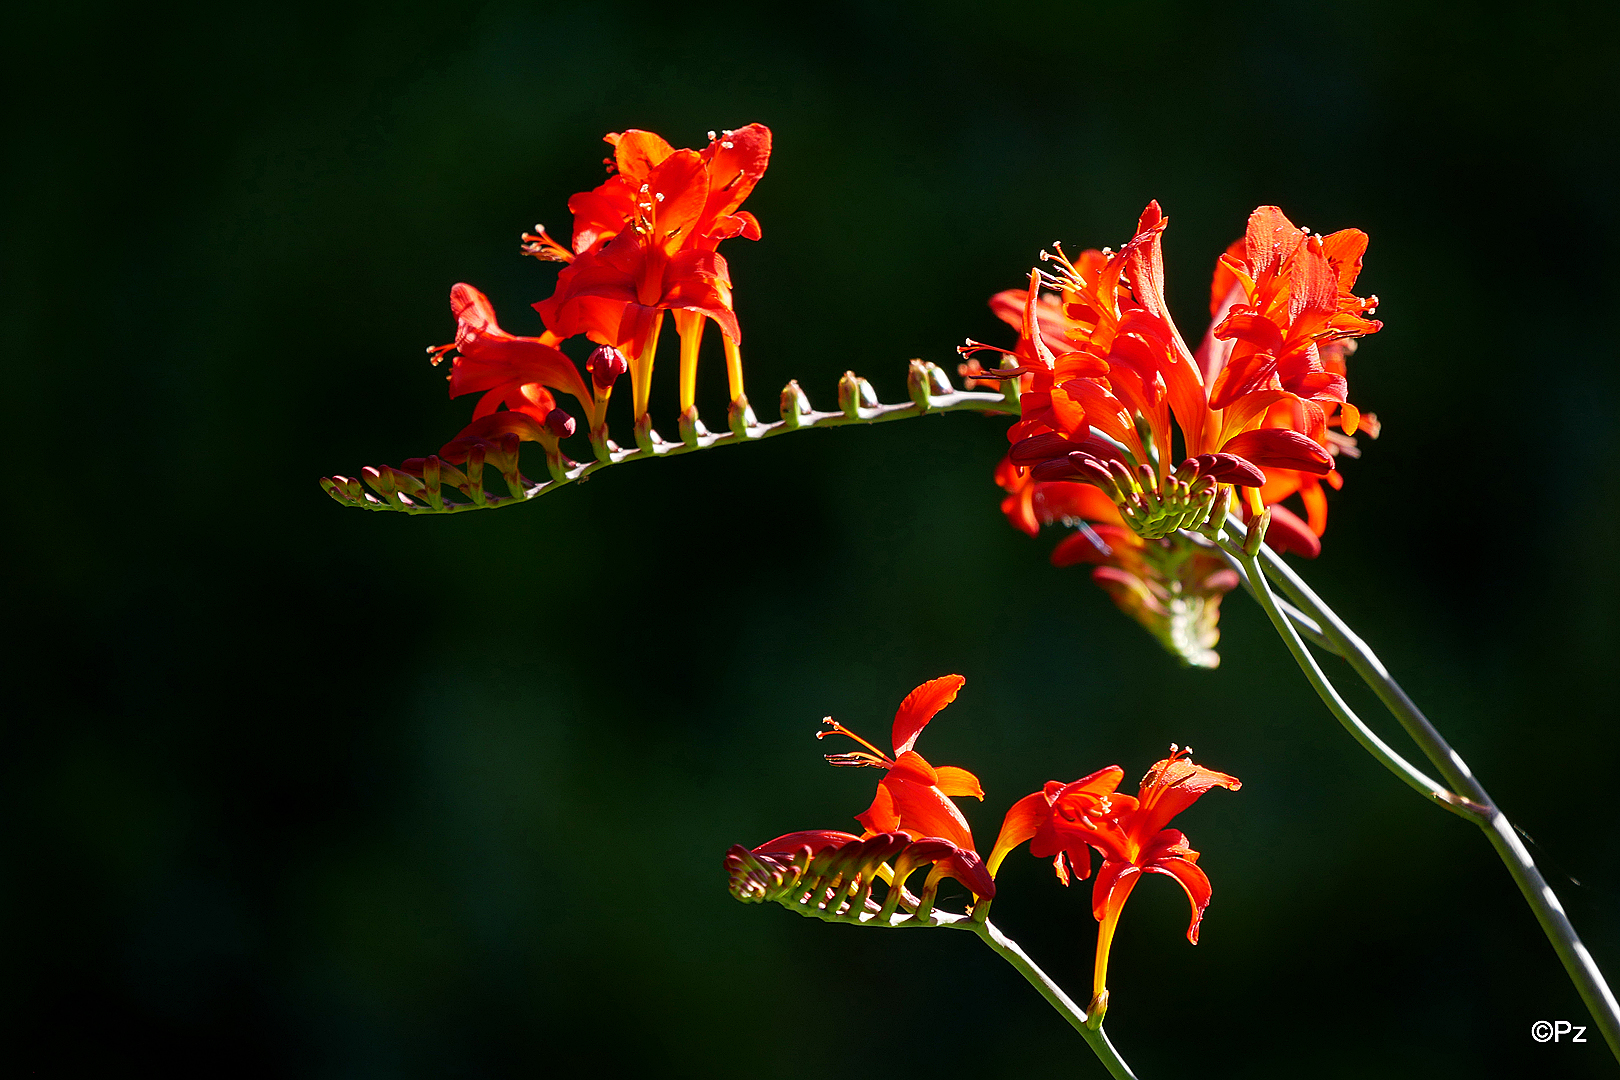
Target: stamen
856, 758
835, 728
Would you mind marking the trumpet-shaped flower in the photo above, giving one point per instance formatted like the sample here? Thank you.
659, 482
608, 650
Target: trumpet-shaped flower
1065, 822
1115, 389
911, 823
1115, 399
913, 797
644, 243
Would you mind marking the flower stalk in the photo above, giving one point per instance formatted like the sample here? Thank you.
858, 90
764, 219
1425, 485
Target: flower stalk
1468, 797
835, 884
402, 493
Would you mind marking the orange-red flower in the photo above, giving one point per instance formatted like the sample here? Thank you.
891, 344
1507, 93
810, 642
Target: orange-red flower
1065, 822
1116, 398
644, 243
911, 823
914, 797
516, 372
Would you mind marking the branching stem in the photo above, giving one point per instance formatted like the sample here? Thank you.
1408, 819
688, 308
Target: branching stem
1470, 799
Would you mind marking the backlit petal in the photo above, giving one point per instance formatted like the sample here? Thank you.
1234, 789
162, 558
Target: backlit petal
920, 706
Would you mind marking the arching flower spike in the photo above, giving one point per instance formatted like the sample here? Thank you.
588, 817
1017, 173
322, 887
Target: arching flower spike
913, 797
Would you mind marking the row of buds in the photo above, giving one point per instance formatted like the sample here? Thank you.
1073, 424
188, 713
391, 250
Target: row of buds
495, 436
831, 875
424, 478
1199, 491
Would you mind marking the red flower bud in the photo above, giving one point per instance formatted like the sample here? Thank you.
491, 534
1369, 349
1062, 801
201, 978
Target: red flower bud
559, 423
606, 364
1226, 468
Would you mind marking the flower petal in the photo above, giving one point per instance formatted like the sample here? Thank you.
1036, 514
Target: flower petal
1171, 785
923, 810
1022, 821
1193, 880
958, 783
920, 706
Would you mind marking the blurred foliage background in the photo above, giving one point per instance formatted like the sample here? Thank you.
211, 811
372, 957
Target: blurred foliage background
293, 790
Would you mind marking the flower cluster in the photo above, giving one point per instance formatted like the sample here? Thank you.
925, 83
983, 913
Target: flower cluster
1127, 433
1065, 822
913, 802
644, 243
914, 822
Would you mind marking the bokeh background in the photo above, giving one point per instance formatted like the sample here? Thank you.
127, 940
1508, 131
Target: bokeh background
293, 790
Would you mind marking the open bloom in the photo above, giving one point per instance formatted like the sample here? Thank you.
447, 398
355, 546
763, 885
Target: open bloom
911, 823
1114, 399
517, 372
915, 797
1115, 392
1065, 822
644, 243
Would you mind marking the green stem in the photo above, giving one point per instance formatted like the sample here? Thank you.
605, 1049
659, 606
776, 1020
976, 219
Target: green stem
815, 906
1009, 951
1306, 626
955, 401
1429, 788
1483, 811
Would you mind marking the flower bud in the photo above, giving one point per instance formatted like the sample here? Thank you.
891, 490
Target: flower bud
605, 364
559, 423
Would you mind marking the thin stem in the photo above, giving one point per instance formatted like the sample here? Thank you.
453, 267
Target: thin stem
953, 402
1306, 625
1009, 951
1577, 960
1430, 789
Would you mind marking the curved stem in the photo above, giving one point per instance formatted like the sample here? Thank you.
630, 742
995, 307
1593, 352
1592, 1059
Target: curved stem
1429, 788
1009, 951
1549, 912
573, 472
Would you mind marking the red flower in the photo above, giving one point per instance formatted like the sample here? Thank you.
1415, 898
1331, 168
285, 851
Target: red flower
912, 821
913, 797
513, 370
517, 372
1064, 822
644, 243
1258, 396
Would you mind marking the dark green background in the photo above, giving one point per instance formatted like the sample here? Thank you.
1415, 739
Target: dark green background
293, 790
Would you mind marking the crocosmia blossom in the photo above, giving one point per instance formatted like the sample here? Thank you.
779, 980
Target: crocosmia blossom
914, 797
518, 373
912, 823
1116, 399
1066, 822
644, 243
1115, 390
